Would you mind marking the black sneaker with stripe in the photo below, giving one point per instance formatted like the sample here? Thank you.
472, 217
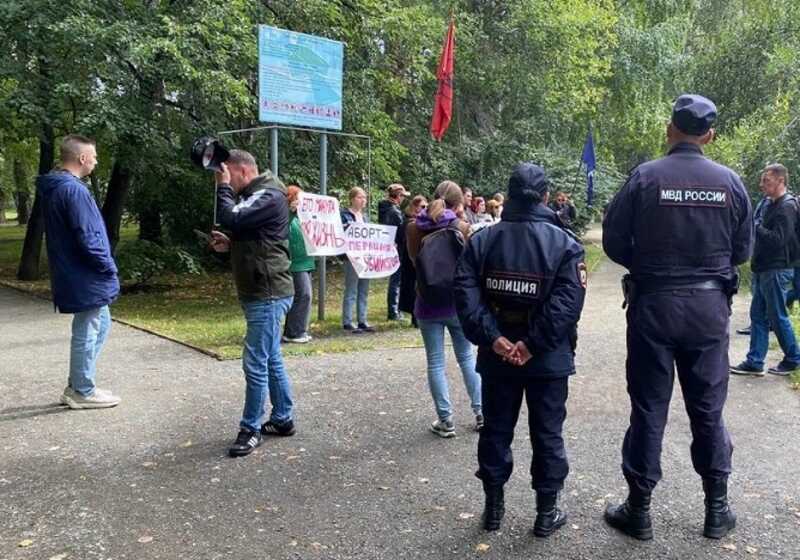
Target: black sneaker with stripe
273, 429
245, 443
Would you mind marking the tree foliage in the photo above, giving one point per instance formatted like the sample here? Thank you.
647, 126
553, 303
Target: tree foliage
145, 77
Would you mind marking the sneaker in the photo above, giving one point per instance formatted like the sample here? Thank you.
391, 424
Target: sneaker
398, 317
348, 327
302, 339
744, 331
245, 443
273, 429
98, 399
783, 368
363, 327
443, 428
746, 368
478, 422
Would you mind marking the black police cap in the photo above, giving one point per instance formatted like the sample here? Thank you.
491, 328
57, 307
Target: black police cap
693, 114
209, 153
527, 179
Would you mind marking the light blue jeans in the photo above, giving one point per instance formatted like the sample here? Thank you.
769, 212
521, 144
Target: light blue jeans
89, 332
354, 289
768, 309
433, 336
263, 363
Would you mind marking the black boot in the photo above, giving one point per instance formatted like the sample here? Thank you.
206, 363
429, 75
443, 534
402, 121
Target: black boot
719, 517
548, 517
632, 517
495, 507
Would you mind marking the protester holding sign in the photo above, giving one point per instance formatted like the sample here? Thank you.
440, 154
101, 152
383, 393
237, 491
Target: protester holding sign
356, 290
435, 241
297, 319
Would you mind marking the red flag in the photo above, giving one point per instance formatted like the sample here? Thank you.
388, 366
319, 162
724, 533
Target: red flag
443, 106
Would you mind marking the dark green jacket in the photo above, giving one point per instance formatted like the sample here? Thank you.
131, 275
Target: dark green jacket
258, 220
301, 262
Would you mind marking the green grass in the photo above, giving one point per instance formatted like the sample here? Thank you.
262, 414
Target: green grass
11, 215
203, 311
594, 256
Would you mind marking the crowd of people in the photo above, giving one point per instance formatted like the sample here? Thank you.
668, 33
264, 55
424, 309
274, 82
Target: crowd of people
506, 276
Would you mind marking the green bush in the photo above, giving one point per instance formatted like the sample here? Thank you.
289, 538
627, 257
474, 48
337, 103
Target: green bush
141, 261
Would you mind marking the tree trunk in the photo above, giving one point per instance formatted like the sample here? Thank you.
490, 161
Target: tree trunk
32, 248
3, 200
22, 192
150, 225
117, 192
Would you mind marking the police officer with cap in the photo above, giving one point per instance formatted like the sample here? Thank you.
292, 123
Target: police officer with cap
519, 292
680, 225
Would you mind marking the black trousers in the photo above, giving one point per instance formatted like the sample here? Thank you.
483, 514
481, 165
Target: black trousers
502, 399
687, 329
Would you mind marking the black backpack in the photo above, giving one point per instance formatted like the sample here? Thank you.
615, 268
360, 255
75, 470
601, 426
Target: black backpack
436, 265
795, 246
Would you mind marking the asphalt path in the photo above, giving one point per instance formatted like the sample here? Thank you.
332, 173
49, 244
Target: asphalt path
363, 477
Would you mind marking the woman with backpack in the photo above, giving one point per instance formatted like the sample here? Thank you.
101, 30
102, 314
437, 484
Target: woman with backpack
434, 242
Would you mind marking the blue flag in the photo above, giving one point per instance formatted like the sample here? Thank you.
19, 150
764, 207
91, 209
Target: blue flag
587, 159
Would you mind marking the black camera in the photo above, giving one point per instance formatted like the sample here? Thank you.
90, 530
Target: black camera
209, 153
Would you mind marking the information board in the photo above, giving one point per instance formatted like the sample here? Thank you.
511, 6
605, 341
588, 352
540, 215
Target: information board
299, 79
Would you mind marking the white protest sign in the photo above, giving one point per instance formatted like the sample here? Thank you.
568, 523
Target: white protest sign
321, 225
371, 249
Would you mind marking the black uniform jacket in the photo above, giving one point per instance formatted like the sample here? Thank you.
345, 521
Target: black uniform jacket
680, 218
523, 278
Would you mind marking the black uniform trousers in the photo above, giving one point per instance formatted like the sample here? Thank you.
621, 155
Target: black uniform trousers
502, 399
688, 329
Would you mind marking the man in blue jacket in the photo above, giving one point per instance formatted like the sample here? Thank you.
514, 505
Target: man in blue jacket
519, 291
83, 276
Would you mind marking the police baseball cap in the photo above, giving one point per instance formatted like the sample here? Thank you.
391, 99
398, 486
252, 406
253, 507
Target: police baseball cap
693, 114
527, 179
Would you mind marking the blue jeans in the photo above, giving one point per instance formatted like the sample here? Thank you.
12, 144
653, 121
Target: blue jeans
433, 336
768, 307
354, 286
89, 333
393, 296
263, 364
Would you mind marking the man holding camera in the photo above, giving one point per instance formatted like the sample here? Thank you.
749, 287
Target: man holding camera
253, 207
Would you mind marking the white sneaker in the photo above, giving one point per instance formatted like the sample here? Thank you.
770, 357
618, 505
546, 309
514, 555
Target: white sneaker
99, 399
304, 339
444, 428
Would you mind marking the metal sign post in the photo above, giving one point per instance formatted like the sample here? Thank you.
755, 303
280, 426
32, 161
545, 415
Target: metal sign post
273, 148
323, 189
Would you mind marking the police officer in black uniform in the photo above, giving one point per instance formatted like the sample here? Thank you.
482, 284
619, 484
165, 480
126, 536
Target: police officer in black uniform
680, 225
519, 292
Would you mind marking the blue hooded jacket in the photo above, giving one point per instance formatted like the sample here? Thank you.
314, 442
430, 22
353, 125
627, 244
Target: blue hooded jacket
83, 275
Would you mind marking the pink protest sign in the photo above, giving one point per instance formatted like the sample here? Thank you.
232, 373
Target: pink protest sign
321, 225
371, 250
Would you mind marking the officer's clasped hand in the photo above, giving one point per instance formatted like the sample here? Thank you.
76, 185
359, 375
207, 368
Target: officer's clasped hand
516, 354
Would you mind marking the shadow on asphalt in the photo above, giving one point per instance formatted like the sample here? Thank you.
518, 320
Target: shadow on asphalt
31, 411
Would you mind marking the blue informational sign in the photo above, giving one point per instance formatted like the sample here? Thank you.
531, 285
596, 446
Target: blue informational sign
299, 79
